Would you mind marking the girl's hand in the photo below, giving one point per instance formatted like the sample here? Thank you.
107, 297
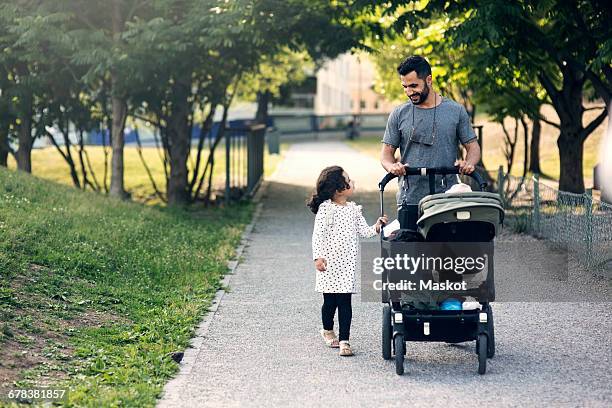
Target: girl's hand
321, 264
382, 221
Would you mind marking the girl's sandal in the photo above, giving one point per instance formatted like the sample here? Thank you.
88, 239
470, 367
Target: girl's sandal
345, 349
330, 339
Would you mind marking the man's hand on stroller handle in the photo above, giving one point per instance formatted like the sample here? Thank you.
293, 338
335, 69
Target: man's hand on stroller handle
430, 171
465, 167
321, 264
398, 169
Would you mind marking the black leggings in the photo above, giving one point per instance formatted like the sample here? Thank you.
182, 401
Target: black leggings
342, 301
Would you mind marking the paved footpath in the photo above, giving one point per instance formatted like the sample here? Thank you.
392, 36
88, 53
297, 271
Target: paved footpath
261, 346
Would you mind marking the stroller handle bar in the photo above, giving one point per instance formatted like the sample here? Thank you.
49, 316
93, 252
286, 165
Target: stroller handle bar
432, 171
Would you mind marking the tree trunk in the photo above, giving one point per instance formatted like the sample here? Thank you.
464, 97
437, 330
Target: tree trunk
210, 164
73, 171
525, 145
571, 142
179, 137
117, 187
568, 103
81, 153
4, 144
570, 154
24, 136
66, 155
119, 114
509, 145
106, 128
534, 159
263, 99
204, 130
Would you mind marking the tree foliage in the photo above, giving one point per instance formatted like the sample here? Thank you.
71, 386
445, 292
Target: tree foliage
561, 47
70, 67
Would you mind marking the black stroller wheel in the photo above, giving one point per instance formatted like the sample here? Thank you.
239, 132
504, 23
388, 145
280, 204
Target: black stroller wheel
491, 329
387, 332
482, 353
400, 350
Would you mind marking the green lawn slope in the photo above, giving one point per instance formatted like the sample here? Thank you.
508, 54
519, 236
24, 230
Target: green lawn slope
97, 294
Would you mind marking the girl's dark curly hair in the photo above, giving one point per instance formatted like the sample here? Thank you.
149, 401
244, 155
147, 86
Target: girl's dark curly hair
330, 180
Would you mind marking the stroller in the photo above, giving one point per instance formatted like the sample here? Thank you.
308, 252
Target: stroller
443, 218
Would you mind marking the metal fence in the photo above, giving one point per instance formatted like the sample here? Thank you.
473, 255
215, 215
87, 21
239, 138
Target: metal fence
578, 223
244, 161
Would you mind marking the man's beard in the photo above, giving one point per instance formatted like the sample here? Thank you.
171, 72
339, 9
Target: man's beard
422, 95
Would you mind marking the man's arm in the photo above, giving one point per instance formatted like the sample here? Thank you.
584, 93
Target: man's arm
389, 162
472, 158
391, 140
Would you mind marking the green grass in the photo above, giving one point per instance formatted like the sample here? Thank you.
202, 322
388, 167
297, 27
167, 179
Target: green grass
96, 294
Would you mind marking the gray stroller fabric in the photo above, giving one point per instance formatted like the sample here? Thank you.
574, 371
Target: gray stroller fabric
469, 196
439, 209
443, 208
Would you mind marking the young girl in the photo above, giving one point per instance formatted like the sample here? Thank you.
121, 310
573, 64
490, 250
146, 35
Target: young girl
338, 225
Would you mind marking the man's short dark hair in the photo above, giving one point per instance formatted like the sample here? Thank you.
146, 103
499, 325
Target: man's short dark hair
417, 64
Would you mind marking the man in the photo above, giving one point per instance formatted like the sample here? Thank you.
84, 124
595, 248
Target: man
427, 130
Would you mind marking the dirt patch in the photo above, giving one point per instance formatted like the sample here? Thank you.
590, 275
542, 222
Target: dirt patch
32, 352
35, 268
35, 329
42, 350
93, 318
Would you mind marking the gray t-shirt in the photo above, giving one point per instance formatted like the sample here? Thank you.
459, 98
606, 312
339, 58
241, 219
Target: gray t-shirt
427, 148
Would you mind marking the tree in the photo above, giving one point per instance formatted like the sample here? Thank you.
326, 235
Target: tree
7, 118
195, 48
508, 91
7, 113
273, 72
43, 41
68, 66
447, 62
98, 31
564, 45
70, 110
205, 52
22, 76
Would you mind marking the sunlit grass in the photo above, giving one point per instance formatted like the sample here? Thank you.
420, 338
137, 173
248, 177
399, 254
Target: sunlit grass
103, 290
47, 163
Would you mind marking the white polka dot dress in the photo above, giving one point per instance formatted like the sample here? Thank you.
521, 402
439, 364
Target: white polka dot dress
336, 238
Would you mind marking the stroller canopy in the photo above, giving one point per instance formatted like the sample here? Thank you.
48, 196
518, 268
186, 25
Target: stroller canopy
460, 207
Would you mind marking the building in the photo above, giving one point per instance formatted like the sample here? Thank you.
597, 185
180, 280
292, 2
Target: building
345, 85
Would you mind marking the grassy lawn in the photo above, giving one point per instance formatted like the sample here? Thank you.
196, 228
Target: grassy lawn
493, 138
97, 294
47, 163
